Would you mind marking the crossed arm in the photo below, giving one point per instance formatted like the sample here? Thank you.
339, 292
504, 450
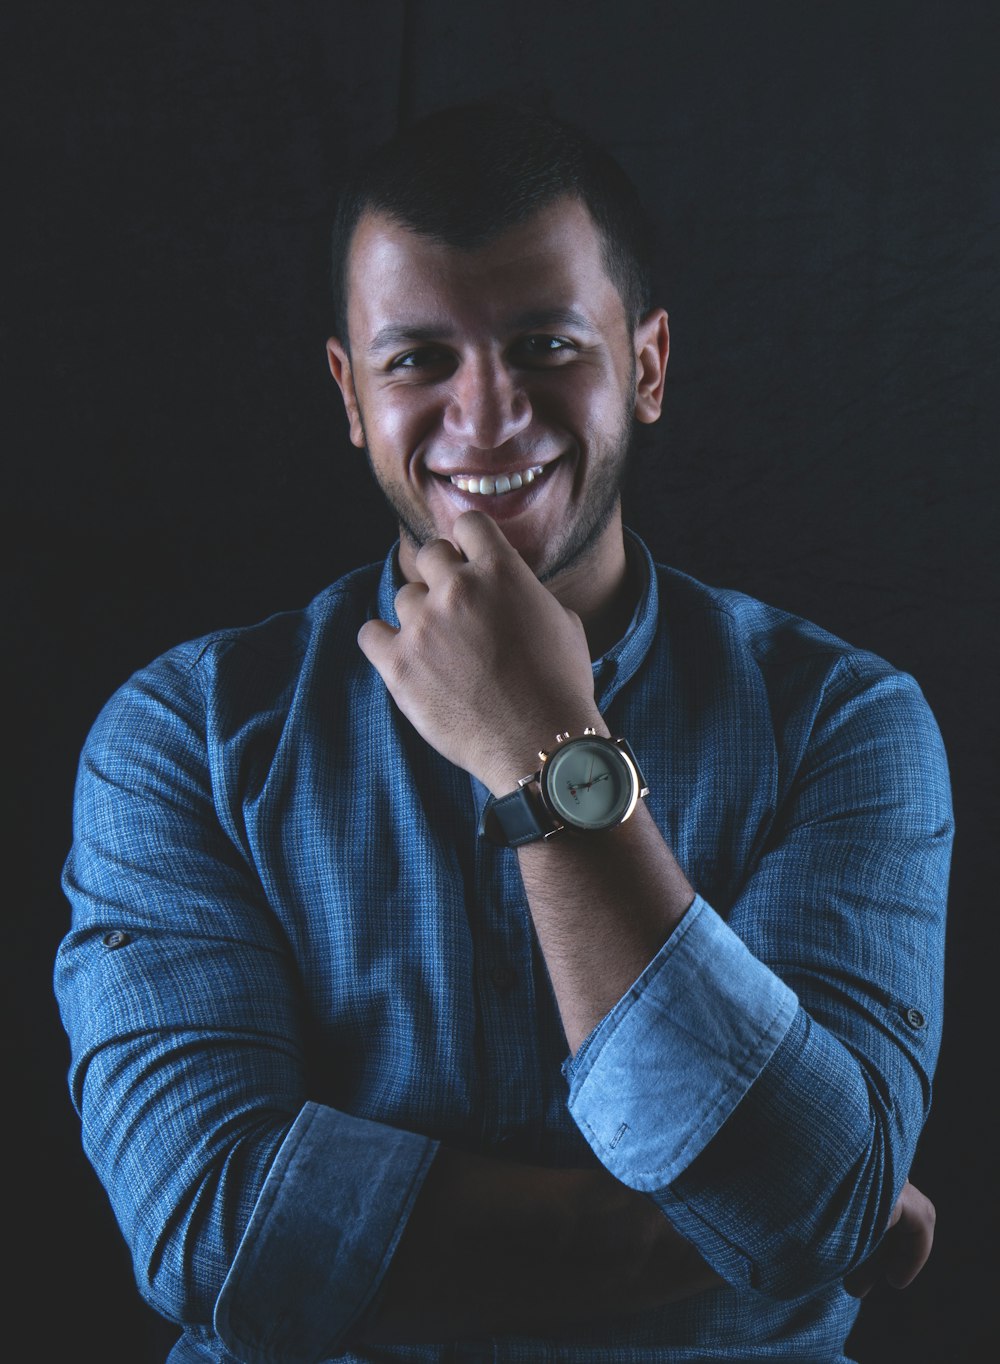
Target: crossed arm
488, 1245
495, 1249
602, 910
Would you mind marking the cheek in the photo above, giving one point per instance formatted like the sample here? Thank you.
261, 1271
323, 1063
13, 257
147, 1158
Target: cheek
396, 419
586, 401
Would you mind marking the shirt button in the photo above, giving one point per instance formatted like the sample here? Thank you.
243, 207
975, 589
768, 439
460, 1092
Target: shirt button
117, 938
503, 978
915, 1018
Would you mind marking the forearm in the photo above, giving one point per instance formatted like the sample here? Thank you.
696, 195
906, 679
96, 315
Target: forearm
602, 908
496, 1248
762, 1071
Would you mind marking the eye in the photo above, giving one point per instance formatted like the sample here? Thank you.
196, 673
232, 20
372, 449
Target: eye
542, 348
424, 358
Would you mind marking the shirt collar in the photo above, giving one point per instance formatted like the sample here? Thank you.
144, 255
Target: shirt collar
621, 662
615, 667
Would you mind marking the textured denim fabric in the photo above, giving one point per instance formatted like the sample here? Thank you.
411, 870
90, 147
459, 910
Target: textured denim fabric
293, 970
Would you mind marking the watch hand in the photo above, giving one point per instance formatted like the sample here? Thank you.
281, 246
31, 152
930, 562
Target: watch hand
586, 785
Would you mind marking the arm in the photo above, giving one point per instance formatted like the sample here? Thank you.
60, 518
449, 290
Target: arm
472, 668
500, 1249
593, 950
764, 1077
184, 1010
238, 1196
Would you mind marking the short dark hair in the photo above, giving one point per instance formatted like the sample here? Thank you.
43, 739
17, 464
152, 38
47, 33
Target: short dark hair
466, 174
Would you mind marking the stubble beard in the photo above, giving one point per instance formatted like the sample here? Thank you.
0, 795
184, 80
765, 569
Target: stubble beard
603, 501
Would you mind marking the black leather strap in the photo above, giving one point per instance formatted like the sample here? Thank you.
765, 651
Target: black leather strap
517, 818
521, 816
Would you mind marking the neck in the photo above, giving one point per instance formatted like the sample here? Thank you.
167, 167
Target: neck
601, 590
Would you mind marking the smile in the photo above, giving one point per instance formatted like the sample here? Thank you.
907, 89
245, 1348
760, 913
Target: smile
495, 485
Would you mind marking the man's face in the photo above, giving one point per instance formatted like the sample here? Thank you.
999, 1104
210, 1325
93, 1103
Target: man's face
502, 380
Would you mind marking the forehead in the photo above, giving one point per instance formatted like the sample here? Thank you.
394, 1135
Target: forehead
553, 261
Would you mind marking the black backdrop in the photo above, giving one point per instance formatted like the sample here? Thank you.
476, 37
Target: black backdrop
824, 177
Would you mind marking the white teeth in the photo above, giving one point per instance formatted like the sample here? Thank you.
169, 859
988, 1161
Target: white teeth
502, 483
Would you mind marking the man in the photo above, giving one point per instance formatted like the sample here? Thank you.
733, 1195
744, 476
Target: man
385, 1053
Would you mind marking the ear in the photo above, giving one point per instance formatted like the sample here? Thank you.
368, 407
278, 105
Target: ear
340, 368
652, 350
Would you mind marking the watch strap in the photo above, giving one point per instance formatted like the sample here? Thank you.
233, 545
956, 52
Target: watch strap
517, 818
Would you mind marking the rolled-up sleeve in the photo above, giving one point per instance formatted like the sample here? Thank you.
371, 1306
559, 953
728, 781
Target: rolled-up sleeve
654, 1082
767, 1077
319, 1243
186, 1020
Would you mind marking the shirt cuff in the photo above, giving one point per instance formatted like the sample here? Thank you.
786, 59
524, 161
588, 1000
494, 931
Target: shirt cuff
658, 1077
321, 1236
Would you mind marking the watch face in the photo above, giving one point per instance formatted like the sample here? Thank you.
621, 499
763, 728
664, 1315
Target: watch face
589, 783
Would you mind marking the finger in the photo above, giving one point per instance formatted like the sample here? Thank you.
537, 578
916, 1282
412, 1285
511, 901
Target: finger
913, 1238
863, 1279
375, 640
409, 601
904, 1249
478, 536
437, 559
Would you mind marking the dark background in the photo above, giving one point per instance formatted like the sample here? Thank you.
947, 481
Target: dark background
825, 181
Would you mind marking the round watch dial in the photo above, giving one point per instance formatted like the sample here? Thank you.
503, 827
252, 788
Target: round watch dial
589, 783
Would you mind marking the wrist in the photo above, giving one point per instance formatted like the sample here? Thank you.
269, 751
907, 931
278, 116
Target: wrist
519, 755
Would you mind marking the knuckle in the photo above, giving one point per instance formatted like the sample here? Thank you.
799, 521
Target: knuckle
400, 670
458, 593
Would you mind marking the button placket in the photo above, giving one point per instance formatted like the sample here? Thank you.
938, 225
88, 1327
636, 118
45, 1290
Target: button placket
503, 934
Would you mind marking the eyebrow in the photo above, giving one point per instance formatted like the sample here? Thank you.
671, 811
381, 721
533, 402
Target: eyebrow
553, 317
401, 334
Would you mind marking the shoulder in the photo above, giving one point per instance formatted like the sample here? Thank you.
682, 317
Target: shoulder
235, 661
219, 679
810, 685
752, 636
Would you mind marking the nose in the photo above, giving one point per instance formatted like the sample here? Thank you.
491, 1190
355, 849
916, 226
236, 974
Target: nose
486, 405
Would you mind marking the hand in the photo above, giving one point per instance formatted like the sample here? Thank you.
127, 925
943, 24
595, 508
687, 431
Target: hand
904, 1249
487, 665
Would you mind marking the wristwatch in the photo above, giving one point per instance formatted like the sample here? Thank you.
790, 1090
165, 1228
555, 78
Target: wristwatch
584, 785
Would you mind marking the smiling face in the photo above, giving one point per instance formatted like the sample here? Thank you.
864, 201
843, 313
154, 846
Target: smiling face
503, 379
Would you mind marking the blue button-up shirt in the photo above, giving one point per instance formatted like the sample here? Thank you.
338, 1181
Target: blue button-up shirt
294, 969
